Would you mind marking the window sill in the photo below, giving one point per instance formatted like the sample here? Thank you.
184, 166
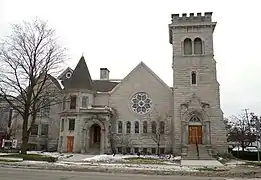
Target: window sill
193, 55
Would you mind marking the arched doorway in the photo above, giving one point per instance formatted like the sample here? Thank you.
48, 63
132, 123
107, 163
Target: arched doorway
95, 136
195, 131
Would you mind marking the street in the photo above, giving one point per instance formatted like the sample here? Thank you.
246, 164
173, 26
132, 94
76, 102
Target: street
33, 174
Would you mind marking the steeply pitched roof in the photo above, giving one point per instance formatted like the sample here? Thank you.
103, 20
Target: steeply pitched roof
81, 78
142, 64
55, 81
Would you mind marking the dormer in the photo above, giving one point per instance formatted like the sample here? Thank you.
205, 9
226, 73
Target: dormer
65, 76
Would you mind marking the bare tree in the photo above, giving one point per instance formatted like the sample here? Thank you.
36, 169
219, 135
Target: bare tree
242, 130
158, 128
28, 59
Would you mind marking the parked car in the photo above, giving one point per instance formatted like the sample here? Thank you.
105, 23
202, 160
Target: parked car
247, 149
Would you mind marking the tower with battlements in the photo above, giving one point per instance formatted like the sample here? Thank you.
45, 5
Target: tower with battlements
197, 116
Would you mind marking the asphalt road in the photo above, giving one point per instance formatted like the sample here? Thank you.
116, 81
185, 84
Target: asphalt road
33, 174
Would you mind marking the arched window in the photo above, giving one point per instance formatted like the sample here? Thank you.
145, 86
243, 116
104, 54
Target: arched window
162, 127
120, 127
187, 46
193, 77
128, 129
137, 129
153, 127
197, 46
145, 126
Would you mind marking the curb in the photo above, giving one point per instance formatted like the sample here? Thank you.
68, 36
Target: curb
251, 174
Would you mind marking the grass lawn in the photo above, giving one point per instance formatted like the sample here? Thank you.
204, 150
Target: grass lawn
140, 160
9, 160
253, 163
31, 157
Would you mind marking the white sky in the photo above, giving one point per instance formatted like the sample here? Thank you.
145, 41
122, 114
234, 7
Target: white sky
118, 34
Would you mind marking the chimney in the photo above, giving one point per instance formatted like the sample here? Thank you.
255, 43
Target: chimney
104, 74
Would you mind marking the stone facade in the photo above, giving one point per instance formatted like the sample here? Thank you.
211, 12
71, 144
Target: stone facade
202, 96
45, 132
142, 113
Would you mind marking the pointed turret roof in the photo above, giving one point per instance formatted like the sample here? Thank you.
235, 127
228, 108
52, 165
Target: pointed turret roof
81, 78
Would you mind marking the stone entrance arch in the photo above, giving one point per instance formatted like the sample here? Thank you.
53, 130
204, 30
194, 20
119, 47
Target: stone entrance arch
195, 127
95, 136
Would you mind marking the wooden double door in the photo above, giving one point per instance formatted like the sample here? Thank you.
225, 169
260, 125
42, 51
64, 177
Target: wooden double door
195, 134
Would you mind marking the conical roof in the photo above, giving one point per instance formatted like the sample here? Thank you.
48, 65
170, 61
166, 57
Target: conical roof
81, 78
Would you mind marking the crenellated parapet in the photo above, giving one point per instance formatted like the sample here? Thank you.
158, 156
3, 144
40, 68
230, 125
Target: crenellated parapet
191, 17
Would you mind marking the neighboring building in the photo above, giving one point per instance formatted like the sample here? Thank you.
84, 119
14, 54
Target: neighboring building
132, 114
4, 118
45, 132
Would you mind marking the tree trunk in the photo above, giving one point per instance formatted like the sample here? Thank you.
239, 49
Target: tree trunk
158, 147
24, 145
25, 135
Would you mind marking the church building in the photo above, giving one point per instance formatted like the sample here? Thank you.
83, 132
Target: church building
141, 113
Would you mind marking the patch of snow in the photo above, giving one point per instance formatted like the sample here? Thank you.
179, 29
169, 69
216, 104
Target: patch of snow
52, 154
235, 162
220, 158
120, 158
4, 154
108, 158
35, 162
177, 158
131, 166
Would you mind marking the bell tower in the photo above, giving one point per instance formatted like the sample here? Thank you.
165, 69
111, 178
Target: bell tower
194, 77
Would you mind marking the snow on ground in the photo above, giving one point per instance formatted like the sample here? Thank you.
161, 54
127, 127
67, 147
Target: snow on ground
120, 158
108, 158
235, 163
4, 154
130, 166
53, 154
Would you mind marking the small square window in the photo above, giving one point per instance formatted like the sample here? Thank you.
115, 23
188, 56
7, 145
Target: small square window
128, 150
119, 150
85, 101
136, 150
162, 150
145, 151
153, 150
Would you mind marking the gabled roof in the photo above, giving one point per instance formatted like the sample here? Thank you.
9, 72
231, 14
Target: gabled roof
55, 81
68, 69
81, 78
142, 64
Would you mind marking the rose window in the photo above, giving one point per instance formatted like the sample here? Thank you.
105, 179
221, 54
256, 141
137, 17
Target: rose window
141, 103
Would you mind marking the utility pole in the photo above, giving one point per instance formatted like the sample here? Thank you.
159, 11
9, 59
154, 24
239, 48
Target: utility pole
257, 136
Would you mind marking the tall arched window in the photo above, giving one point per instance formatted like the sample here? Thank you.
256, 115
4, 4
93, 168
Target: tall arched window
128, 129
145, 126
137, 129
153, 127
187, 46
193, 77
120, 127
162, 127
197, 46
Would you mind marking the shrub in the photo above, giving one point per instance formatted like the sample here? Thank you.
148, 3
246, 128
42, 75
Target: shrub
251, 156
226, 155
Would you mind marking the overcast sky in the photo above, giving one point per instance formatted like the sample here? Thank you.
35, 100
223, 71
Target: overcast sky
118, 34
